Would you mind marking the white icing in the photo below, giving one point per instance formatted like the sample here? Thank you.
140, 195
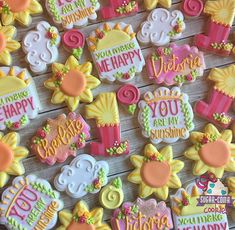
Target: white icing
40, 52
82, 171
156, 28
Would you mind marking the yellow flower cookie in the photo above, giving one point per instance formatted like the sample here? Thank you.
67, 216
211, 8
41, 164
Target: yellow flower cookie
10, 157
7, 44
82, 218
19, 10
151, 4
72, 83
212, 151
156, 172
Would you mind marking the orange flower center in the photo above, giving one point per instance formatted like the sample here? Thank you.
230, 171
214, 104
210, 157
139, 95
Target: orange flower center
74, 83
155, 174
215, 154
3, 42
6, 156
18, 5
75, 226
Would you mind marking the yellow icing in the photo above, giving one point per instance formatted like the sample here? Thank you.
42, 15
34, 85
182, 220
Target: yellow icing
151, 4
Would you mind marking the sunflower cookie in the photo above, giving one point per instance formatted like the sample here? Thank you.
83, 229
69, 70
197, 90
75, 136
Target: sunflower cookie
155, 172
30, 203
212, 151
151, 4
82, 218
72, 83
141, 214
19, 100
19, 10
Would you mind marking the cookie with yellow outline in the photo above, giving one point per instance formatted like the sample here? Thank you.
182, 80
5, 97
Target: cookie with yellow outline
152, 4
72, 83
11, 156
212, 151
19, 10
82, 218
155, 172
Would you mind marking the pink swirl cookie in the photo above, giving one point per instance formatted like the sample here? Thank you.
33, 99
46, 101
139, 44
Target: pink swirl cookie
192, 8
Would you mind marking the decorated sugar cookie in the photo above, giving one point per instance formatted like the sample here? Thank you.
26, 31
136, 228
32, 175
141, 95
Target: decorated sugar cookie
116, 52
151, 4
72, 83
84, 175
155, 172
19, 10
111, 196
165, 115
119, 8
141, 214
212, 151
222, 92
192, 8
72, 13
41, 46
161, 27
11, 157
60, 138
105, 111
175, 65
19, 100
30, 203
221, 13
82, 218
74, 41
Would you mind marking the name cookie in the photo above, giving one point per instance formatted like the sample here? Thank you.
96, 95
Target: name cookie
192, 8
152, 4
175, 65
72, 13
116, 52
84, 175
161, 27
165, 115
41, 46
30, 203
60, 138
148, 215
19, 100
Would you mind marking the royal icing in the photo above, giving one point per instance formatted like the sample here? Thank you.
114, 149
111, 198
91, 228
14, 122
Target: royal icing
105, 111
30, 203
148, 215
74, 41
161, 26
19, 10
41, 46
155, 172
111, 196
211, 151
72, 13
151, 4
119, 8
221, 13
60, 138
19, 101
175, 65
82, 218
72, 83
84, 175
165, 115
116, 52
129, 95
222, 92
192, 8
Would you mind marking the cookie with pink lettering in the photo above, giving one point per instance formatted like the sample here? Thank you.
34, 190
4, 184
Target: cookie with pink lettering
175, 65
30, 203
74, 40
19, 100
119, 8
116, 52
129, 95
161, 27
222, 14
60, 138
220, 99
165, 115
192, 8
141, 214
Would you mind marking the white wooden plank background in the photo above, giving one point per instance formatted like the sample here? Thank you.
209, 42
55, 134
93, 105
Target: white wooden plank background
120, 166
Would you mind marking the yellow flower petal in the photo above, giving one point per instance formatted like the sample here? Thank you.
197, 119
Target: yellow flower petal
176, 165
81, 206
86, 68
219, 172
230, 167
20, 153
97, 214
200, 168
174, 181
167, 153
8, 31
3, 179
92, 82
57, 67
227, 136
86, 96
50, 84
58, 97
5, 57
192, 153
211, 129
35, 7
162, 193
103, 227
65, 217
7, 19
11, 139
72, 103
137, 160
150, 149
145, 190
232, 149
23, 17
72, 62
196, 137
12, 45
135, 176
16, 169
1, 135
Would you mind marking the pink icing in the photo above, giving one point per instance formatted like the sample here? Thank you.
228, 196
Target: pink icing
192, 8
128, 94
73, 39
